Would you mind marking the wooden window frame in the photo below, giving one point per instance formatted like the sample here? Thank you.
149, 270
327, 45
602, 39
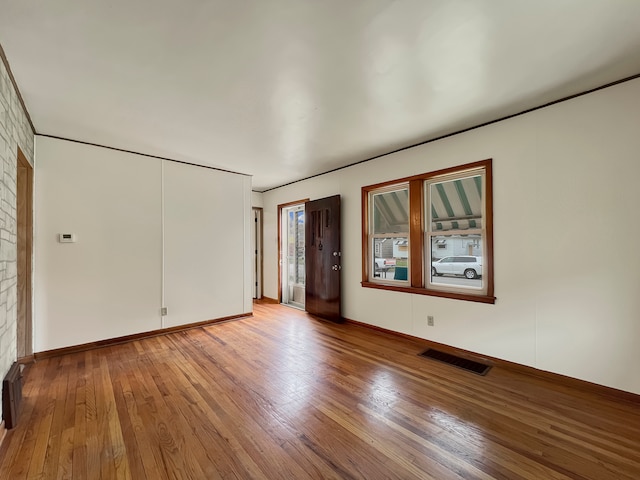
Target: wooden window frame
406, 234
417, 274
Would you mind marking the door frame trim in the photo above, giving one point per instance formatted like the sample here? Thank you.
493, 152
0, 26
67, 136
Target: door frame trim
24, 240
279, 260
259, 264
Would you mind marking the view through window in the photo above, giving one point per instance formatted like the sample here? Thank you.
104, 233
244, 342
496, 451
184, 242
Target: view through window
431, 234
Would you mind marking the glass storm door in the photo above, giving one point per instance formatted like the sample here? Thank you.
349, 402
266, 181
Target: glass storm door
293, 271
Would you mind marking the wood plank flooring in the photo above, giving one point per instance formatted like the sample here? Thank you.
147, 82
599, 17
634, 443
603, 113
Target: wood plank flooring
284, 396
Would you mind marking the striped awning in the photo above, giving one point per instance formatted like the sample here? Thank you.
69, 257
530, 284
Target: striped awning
456, 204
391, 211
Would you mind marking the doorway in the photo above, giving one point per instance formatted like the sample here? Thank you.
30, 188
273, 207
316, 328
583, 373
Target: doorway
256, 246
292, 254
24, 217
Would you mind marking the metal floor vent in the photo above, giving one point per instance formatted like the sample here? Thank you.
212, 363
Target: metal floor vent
459, 362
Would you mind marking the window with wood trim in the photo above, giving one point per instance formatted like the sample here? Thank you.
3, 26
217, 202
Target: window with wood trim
389, 234
431, 234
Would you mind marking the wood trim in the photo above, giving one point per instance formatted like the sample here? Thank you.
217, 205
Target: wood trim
488, 248
289, 204
3, 432
280, 207
267, 300
416, 233
261, 250
26, 360
365, 235
123, 150
557, 378
431, 293
56, 352
5, 61
430, 175
24, 259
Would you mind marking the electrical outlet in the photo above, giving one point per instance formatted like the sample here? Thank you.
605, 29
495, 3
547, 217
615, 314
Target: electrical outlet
163, 311
430, 321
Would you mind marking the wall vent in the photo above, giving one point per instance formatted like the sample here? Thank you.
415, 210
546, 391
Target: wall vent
458, 362
12, 396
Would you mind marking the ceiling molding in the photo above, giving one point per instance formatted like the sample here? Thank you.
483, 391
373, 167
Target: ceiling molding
424, 142
15, 86
55, 137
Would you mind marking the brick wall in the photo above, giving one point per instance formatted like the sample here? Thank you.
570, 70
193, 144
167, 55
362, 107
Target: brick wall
14, 131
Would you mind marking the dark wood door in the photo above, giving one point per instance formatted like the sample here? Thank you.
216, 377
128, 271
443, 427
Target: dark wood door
322, 258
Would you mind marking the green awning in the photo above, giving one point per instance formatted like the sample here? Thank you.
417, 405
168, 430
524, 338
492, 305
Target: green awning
457, 204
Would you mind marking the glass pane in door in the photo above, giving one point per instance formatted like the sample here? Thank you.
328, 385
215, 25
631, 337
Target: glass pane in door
293, 288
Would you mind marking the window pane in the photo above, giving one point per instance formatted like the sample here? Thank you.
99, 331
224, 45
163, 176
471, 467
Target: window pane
390, 260
391, 211
456, 204
295, 245
460, 264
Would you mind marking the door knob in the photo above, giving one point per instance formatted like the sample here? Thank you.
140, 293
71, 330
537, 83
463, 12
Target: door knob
336, 267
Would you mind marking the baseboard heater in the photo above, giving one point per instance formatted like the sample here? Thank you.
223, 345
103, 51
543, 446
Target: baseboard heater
12, 396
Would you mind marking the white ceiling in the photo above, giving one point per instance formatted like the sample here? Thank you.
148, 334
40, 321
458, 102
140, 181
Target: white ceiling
285, 89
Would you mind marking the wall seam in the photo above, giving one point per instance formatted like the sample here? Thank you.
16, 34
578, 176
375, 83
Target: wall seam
162, 245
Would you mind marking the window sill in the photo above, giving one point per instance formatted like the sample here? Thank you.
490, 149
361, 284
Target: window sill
432, 293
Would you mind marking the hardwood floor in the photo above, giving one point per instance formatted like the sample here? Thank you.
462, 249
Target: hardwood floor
282, 395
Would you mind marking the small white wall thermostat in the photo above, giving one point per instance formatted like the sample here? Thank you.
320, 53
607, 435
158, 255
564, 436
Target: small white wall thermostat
67, 238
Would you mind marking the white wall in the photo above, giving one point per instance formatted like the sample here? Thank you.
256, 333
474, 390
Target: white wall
565, 183
203, 201
110, 282
256, 199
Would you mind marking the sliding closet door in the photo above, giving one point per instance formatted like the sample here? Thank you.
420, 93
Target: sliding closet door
205, 238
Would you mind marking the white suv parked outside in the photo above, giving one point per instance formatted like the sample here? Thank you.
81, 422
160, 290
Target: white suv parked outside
470, 267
